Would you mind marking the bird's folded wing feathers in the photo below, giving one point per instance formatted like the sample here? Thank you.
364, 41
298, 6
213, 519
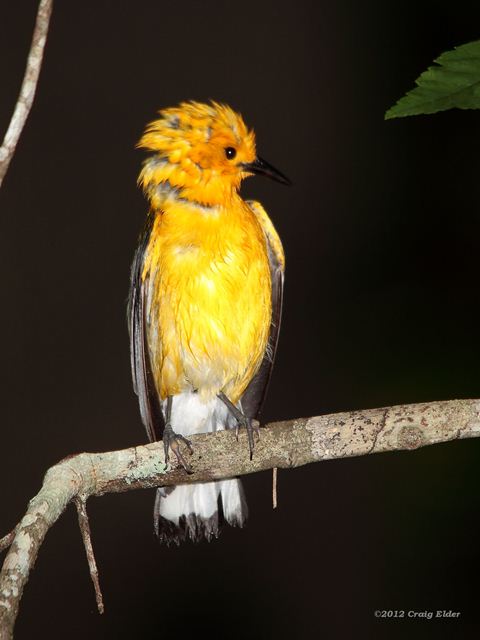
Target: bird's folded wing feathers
143, 382
254, 395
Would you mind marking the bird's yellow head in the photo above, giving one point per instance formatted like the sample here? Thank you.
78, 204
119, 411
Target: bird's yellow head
202, 153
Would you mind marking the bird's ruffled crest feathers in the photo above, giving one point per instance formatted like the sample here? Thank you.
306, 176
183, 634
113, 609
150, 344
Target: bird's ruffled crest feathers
193, 123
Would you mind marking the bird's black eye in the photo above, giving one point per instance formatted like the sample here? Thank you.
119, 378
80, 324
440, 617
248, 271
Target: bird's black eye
230, 152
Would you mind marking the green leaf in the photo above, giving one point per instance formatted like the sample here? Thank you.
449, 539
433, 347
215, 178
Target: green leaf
454, 83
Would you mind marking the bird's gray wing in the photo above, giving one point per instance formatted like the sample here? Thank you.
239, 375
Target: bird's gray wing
143, 381
254, 395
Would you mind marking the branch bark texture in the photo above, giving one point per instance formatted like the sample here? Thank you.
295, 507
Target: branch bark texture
285, 444
29, 86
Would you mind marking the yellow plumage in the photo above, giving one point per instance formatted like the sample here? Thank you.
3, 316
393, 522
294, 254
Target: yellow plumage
207, 255
212, 298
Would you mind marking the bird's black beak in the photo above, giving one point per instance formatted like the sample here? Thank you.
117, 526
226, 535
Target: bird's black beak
261, 167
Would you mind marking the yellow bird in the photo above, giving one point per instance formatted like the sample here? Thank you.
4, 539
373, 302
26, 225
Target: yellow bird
205, 301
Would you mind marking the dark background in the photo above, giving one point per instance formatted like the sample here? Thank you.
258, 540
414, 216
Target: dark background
381, 232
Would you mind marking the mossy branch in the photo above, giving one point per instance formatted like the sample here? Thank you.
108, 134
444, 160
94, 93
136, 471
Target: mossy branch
291, 443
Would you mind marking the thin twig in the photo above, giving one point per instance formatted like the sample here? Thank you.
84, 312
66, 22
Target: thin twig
7, 540
274, 487
218, 456
84, 525
29, 86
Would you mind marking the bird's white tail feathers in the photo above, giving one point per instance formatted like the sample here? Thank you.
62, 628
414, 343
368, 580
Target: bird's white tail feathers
196, 511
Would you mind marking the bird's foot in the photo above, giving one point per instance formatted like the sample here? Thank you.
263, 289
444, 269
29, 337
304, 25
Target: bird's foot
252, 426
171, 442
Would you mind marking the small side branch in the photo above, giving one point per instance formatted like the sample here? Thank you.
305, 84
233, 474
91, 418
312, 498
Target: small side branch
84, 525
7, 540
217, 456
29, 86
274, 487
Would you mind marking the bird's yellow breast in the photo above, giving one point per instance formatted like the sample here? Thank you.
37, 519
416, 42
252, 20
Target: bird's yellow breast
207, 278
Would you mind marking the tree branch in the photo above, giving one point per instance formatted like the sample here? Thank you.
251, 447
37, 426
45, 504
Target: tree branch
29, 86
217, 456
